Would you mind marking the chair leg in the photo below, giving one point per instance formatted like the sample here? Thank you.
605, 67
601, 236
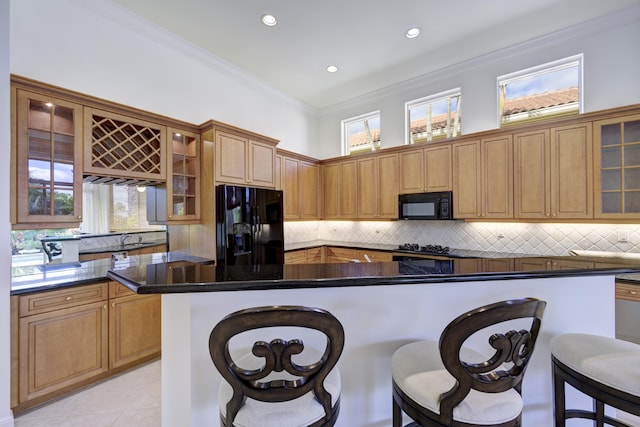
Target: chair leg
598, 410
558, 399
397, 414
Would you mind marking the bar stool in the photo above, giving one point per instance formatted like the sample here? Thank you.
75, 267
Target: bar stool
281, 383
445, 384
606, 369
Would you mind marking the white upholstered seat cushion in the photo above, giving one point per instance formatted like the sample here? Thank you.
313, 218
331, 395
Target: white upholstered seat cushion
418, 370
609, 361
295, 413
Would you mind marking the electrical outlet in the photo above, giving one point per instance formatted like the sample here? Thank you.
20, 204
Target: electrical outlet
623, 236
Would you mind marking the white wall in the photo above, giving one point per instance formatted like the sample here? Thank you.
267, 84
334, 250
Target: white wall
6, 417
611, 62
96, 47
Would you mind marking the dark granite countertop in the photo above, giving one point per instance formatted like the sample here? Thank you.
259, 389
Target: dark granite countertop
36, 278
185, 276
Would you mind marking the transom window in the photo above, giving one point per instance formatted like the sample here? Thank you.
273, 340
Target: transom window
432, 117
552, 89
361, 133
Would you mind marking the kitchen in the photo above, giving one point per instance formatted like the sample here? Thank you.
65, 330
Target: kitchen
289, 122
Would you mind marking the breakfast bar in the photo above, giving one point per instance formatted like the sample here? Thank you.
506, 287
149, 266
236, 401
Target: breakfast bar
382, 306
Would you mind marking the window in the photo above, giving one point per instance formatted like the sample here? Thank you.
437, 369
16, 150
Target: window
433, 117
552, 89
129, 209
361, 133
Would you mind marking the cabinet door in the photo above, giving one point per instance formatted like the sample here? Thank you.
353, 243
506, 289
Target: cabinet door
290, 188
134, 329
532, 188
347, 185
331, 174
571, 172
466, 180
48, 161
617, 167
52, 358
308, 189
387, 186
296, 257
230, 159
183, 185
278, 172
497, 177
412, 172
438, 168
366, 188
261, 164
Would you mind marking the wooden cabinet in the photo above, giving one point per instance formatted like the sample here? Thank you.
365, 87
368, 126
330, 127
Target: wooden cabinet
338, 255
134, 326
242, 160
305, 256
377, 187
123, 148
627, 291
300, 184
47, 145
367, 255
51, 359
427, 169
483, 178
571, 172
70, 337
553, 170
617, 167
340, 189
178, 202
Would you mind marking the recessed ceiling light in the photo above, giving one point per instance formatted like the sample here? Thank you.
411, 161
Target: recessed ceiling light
332, 68
269, 20
412, 32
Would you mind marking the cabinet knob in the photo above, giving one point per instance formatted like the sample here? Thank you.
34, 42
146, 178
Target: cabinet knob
68, 298
633, 292
79, 216
113, 304
104, 306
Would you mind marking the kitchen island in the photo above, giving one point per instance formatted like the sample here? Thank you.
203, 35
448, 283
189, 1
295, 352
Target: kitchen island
382, 307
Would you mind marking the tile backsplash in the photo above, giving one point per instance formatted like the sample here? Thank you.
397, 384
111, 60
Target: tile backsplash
522, 238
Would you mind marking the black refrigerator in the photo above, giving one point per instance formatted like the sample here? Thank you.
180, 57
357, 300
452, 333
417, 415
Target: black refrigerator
249, 226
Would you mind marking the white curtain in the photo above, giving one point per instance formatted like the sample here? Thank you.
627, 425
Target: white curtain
96, 205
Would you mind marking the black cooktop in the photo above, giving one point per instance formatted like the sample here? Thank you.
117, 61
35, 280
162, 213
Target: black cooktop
427, 249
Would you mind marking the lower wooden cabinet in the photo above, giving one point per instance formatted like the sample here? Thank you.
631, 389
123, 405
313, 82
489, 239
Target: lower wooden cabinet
67, 338
305, 256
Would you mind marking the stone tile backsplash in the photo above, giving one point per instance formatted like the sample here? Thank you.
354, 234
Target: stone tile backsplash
523, 238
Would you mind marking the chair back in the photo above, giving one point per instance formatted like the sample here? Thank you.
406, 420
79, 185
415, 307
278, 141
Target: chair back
513, 349
277, 355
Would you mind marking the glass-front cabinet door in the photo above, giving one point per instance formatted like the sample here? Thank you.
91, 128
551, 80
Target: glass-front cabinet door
48, 161
617, 154
183, 185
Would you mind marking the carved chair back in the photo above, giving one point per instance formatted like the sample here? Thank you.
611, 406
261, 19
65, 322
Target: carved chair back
297, 380
506, 367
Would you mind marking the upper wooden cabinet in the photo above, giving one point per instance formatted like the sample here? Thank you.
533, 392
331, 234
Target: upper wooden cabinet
242, 160
178, 202
427, 169
340, 181
47, 145
377, 187
617, 167
553, 173
299, 181
123, 147
483, 178
330, 175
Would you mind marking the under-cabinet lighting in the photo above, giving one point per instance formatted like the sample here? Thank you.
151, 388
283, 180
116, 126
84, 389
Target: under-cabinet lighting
332, 68
49, 104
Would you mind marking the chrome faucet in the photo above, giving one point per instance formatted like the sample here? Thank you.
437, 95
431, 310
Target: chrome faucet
123, 238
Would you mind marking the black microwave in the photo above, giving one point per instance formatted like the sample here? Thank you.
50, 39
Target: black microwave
434, 205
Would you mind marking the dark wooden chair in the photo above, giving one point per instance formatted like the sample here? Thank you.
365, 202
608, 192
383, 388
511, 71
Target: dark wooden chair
281, 382
447, 384
606, 369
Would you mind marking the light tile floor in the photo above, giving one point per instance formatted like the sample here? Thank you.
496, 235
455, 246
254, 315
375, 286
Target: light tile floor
130, 399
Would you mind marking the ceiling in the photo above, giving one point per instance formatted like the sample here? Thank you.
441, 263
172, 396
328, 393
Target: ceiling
363, 38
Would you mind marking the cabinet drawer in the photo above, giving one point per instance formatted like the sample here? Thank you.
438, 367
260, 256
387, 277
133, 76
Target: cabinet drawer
628, 291
43, 302
375, 256
295, 257
117, 290
341, 254
314, 256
